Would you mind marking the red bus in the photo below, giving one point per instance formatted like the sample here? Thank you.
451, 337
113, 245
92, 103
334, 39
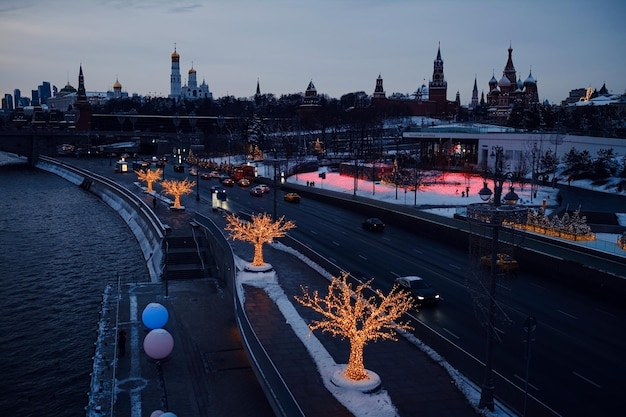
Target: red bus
244, 171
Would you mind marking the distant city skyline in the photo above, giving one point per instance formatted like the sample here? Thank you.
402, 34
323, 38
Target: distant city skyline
342, 46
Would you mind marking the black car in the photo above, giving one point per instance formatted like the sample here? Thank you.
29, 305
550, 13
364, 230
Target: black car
420, 290
373, 224
179, 168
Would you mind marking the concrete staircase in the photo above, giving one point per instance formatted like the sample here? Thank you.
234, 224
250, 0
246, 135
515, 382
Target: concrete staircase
183, 258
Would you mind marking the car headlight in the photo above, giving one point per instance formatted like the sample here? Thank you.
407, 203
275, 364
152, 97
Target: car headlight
436, 295
420, 297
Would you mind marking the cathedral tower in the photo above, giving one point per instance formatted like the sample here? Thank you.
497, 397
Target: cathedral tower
175, 84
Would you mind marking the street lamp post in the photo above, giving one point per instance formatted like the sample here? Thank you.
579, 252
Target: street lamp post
176, 121
492, 215
192, 123
533, 173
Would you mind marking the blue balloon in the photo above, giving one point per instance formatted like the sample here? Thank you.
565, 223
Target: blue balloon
168, 414
154, 316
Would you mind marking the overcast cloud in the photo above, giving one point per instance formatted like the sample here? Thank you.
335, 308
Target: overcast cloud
342, 46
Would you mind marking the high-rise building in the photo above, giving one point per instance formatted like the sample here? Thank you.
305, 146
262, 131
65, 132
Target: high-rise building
7, 102
44, 92
17, 94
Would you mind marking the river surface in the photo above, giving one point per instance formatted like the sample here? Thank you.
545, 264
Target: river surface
59, 247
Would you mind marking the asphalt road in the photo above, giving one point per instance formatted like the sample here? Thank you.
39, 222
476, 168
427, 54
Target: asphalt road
576, 353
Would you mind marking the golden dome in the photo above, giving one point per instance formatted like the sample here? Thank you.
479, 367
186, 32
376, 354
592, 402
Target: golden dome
192, 71
175, 56
117, 85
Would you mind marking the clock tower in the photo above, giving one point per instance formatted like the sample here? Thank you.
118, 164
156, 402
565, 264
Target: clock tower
438, 87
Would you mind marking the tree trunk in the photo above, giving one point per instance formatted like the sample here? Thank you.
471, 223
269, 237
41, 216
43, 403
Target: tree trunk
355, 370
258, 255
176, 201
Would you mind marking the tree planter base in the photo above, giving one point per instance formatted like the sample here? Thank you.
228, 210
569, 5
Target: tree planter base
372, 384
258, 269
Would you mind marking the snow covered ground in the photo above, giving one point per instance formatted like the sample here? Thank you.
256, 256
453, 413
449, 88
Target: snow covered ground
445, 197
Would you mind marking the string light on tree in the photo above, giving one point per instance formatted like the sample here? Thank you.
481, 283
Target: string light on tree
350, 314
260, 230
149, 177
177, 188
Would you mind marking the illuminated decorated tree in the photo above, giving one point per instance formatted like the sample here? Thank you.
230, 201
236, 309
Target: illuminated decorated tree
149, 177
350, 314
177, 188
262, 229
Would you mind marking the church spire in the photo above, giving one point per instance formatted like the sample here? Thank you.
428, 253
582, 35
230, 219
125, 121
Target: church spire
81, 94
474, 102
509, 69
258, 87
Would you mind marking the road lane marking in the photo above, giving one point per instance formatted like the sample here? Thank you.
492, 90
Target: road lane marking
524, 380
335, 243
567, 314
450, 333
587, 380
363, 257
418, 251
608, 313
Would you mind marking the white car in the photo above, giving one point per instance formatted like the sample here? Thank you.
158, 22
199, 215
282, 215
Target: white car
264, 188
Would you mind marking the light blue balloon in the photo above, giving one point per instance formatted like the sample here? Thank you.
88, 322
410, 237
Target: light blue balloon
168, 414
154, 316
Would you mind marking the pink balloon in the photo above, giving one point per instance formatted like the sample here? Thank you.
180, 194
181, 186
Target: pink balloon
158, 344
157, 413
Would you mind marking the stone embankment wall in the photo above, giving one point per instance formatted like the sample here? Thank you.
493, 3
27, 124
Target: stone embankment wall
145, 225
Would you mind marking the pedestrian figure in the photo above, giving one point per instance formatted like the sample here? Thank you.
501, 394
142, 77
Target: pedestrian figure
307, 183
121, 343
154, 202
467, 191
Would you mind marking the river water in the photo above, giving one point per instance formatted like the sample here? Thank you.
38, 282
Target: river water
59, 247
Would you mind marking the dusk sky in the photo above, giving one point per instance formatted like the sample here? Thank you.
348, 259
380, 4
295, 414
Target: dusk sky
341, 45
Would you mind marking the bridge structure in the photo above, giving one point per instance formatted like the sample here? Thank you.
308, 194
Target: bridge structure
32, 143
